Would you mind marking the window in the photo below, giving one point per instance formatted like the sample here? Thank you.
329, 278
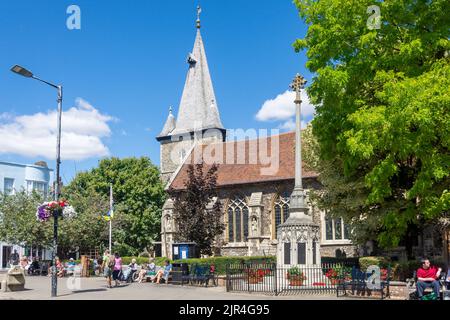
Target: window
280, 211
335, 229
38, 186
301, 253
8, 186
287, 253
237, 220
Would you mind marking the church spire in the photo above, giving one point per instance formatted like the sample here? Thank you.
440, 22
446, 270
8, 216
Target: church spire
195, 105
169, 126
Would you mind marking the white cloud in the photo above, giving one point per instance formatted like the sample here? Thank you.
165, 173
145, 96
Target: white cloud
283, 107
289, 125
5, 116
83, 128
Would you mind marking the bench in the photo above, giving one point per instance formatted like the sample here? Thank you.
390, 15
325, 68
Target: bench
359, 282
201, 275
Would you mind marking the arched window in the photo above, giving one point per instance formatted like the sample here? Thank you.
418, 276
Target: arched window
280, 211
237, 220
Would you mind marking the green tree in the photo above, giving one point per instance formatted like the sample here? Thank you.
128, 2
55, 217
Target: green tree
138, 196
383, 113
18, 222
88, 229
196, 220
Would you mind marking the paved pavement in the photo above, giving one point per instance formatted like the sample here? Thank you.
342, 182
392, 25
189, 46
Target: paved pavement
39, 288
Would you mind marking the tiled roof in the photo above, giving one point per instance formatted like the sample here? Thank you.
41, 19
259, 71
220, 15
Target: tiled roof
247, 166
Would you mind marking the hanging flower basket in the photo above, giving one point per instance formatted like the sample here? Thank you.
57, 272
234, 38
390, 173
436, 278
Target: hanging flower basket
54, 208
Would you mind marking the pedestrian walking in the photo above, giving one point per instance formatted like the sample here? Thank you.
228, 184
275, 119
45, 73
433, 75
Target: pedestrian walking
107, 266
117, 268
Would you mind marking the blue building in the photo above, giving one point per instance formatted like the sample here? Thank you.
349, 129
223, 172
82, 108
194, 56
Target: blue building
15, 177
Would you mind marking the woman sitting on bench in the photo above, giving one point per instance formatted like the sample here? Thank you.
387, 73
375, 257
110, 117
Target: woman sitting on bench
164, 273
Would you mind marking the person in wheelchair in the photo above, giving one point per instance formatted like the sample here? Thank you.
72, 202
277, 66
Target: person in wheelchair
428, 277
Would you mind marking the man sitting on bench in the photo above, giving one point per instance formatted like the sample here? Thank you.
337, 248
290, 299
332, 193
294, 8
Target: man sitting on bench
164, 273
427, 277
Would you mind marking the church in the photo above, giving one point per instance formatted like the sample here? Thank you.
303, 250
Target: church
255, 177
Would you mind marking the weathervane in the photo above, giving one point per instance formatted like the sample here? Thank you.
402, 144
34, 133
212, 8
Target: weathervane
199, 11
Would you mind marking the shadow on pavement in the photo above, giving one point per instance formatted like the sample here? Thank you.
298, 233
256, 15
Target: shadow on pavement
80, 291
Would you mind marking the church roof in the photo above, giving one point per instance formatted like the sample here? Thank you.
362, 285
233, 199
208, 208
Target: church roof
246, 166
195, 112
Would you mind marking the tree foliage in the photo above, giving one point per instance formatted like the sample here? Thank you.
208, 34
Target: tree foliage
18, 222
382, 118
196, 219
19, 225
87, 230
138, 197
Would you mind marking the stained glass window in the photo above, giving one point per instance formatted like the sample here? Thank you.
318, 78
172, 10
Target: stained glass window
237, 220
329, 229
230, 224
280, 211
337, 229
245, 220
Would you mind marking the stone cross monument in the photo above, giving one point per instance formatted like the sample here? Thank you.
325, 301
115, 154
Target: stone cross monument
298, 237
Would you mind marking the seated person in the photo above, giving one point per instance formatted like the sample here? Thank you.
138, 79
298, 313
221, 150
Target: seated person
427, 277
142, 273
70, 269
164, 273
132, 269
35, 266
447, 278
151, 270
59, 268
23, 262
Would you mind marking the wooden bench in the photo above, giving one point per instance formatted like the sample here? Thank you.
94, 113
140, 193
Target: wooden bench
359, 283
202, 275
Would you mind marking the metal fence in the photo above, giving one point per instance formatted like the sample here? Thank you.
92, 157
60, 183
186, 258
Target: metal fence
275, 280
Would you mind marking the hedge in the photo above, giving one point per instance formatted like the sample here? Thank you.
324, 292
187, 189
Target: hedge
382, 262
221, 262
143, 260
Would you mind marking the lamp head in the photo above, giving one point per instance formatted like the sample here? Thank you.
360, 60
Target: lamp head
22, 71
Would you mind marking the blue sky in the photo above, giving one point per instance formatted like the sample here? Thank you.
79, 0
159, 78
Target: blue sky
127, 65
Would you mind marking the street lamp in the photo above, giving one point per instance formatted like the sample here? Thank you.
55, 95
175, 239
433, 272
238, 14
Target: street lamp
28, 74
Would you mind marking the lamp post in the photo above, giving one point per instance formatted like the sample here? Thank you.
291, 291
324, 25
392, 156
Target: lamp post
28, 74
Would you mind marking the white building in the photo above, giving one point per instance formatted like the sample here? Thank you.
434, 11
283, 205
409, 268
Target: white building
15, 177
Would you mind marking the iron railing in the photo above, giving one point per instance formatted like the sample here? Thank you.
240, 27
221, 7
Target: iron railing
273, 279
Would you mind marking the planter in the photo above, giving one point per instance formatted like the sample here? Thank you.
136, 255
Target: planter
295, 282
254, 280
334, 281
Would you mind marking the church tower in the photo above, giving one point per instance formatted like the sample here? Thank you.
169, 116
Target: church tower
198, 115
